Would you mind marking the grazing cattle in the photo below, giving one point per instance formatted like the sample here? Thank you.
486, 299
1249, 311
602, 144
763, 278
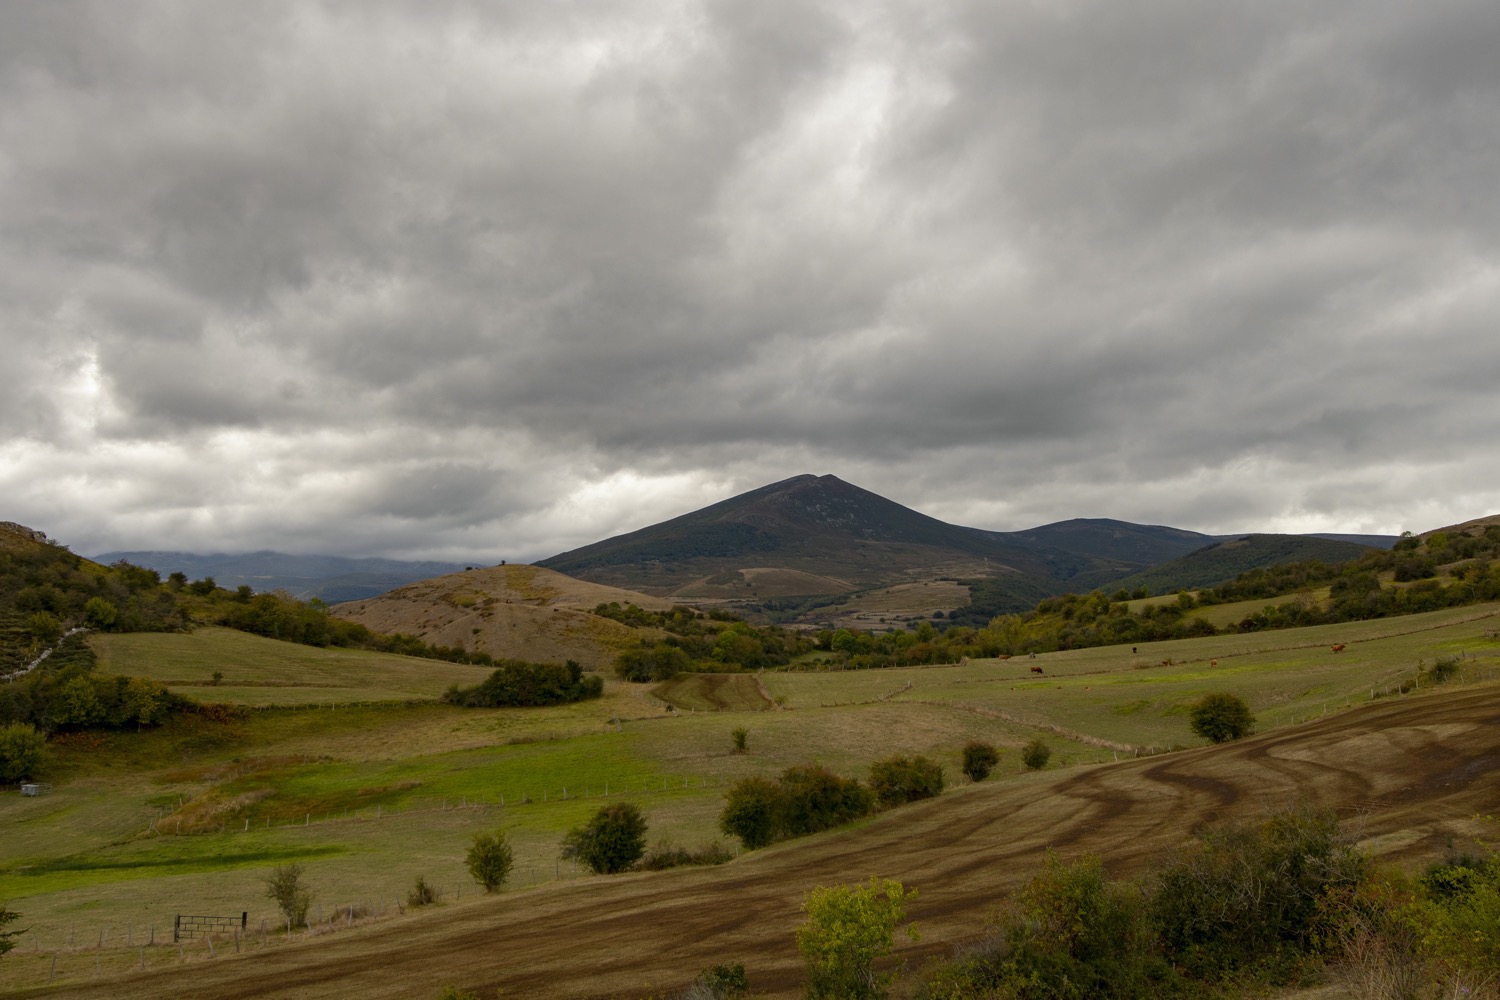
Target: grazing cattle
1134, 650
1339, 648
1213, 663
1005, 656
1036, 670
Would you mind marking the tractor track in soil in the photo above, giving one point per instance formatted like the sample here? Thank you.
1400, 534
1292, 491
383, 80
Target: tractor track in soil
1409, 767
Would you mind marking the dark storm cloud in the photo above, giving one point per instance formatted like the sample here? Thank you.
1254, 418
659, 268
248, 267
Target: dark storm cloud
500, 279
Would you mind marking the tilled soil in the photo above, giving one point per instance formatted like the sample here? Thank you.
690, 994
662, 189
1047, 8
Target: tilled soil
1404, 771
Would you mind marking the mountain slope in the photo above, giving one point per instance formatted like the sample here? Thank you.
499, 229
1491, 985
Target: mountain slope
816, 525
1223, 561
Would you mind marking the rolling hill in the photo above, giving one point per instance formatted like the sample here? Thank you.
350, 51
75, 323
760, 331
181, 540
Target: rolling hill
516, 611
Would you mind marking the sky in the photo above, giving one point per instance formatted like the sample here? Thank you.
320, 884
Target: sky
494, 280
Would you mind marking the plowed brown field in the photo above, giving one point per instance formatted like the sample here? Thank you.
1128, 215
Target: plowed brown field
1406, 772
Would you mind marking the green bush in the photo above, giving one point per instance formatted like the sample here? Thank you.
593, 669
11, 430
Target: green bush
752, 812
666, 855
421, 894
6, 937
1221, 717
610, 842
980, 759
286, 886
490, 859
23, 752
741, 737
720, 982
898, 780
516, 683
1036, 754
848, 927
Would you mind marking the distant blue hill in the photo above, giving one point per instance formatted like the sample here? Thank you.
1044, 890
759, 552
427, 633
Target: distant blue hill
329, 578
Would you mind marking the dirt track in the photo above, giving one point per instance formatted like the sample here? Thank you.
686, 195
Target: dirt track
1407, 768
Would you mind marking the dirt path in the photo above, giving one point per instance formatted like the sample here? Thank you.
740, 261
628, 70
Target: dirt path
1409, 767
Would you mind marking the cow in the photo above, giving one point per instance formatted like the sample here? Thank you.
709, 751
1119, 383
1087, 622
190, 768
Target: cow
1213, 663
1036, 670
1338, 648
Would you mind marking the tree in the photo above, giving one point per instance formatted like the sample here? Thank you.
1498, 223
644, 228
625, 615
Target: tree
752, 810
848, 927
7, 916
23, 752
99, 613
490, 859
1221, 717
610, 842
292, 897
1036, 754
980, 759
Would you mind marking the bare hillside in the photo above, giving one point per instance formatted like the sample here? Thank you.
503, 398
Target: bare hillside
525, 612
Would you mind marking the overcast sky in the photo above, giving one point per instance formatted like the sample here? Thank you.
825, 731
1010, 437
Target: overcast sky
488, 280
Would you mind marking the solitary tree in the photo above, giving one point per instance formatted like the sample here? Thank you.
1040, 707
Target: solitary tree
291, 894
490, 859
1222, 717
6, 916
23, 752
848, 927
1036, 754
980, 759
610, 842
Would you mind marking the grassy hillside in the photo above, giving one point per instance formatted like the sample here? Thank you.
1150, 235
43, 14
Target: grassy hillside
370, 796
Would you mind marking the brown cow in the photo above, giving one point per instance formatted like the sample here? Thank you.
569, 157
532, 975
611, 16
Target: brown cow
1339, 648
1036, 670
1213, 663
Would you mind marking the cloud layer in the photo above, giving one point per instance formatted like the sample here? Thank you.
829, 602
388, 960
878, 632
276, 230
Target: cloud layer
481, 280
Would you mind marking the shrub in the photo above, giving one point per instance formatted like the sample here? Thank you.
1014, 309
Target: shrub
490, 859
814, 799
719, 982
980, 759
286, 887
667, 855
752, 812
610, 842
451, 992
741, 739
516, 683
898, 780
1036, 754
1443, 670
1221, 717
848, 927
421, 894
23, 752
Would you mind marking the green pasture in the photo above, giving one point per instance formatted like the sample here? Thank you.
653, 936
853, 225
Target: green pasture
260, 671
371, 794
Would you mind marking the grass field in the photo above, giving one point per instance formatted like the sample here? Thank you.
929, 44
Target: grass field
370, 795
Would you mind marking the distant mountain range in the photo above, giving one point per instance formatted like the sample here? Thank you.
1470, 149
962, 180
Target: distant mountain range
328, 578
815, 537
818, 535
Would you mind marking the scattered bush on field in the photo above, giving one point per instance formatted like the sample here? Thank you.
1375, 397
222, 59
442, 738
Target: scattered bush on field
848, 928
980, 759
610, 842
1036, 754
1443, 670
490, 859
454, 993
1221, 717
806, 798
288, 889
23, 752
667, 855
421, 894
516, 683
898, 780
1246, 904
719, 982
741, 737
